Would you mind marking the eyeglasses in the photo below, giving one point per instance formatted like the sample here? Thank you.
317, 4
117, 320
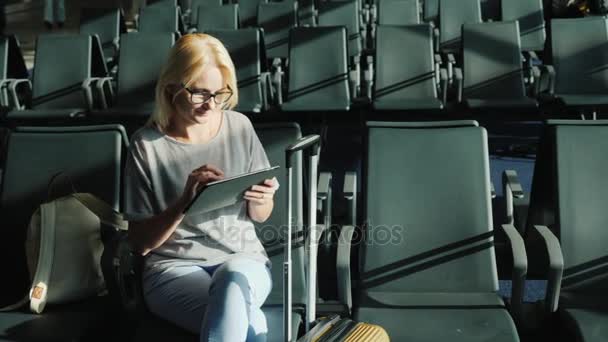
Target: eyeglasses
199, 97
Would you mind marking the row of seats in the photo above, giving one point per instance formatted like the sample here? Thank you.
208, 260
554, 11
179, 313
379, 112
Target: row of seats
427, 266
492, 76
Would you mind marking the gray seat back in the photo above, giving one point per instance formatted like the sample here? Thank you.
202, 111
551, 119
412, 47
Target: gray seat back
91, 158
531, 19
582, 190
492, 61
107, 24
343, 13
452, 15
431, 10
580, 64
212, 17
569, 195
195, 4
57, 84
159, 19
409, 78
317, 81
398, 12
141, 58
248, 12
275, 138
245, 49
428, 226
277, 18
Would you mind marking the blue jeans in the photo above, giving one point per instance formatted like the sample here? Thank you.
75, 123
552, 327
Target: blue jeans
221, 302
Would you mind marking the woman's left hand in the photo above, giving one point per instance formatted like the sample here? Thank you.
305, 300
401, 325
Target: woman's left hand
261, 194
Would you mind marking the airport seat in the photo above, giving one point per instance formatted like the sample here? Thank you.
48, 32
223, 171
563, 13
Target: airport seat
246, 49
276, 19
430, 10
565, 230
579, 79
411, 83
531, 19
224, 17
398, 12
91, 158
60, 90
493, 67
108, 25
14, 78
452, 15
161, 19
248, 12
344, 13
195, 4
161, 3
427, 267
317, 82
142, 56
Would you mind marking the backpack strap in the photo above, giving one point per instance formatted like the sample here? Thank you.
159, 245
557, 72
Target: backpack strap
107, 215
39, 290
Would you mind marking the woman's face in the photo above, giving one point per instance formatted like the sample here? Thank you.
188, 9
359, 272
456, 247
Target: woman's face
188, 108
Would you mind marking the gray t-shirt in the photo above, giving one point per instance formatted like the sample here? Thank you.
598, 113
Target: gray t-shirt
155, 175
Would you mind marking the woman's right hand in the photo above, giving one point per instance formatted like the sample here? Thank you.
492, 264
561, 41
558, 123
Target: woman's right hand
199, 178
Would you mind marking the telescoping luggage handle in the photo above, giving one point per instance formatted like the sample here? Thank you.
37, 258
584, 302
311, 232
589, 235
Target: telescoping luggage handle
311, 145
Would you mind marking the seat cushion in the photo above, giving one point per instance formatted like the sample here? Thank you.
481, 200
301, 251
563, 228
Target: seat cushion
89, 320
588, 325
401, 300
523, 102
468, 324
156, 329
407, 104
583, 100
438, 316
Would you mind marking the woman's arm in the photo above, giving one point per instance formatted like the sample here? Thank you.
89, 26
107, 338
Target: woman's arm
260, 200
151, 233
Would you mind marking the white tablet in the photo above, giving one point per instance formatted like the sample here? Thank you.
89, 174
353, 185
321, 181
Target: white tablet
227, 191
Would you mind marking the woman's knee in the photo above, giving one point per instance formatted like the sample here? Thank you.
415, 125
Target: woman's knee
248, 274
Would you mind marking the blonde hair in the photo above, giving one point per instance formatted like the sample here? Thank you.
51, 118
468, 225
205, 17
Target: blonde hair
187, 59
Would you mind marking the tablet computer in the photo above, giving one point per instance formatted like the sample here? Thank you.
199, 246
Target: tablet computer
228, 191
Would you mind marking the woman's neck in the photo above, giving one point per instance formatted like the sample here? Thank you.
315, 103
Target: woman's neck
195, 133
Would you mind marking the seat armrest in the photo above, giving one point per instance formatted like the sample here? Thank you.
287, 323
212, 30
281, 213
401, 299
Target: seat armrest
324, 196
443, 79
369, 76
536, 78
277, 80
556, 266
547, 76
87, 88
511, 189
438, 65
459, 83
350, 194
492, 190
436, 35
13, 84
343, 266
355, 75
520, 270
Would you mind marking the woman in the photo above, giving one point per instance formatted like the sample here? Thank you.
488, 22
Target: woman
206, 273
